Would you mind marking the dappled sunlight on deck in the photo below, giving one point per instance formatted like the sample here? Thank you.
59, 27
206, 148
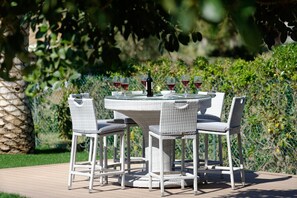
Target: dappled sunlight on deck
51, 181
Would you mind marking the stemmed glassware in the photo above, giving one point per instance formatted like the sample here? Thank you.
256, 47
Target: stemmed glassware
198, 82
170, 83
143, 82
116, 83
125, 84
185, 81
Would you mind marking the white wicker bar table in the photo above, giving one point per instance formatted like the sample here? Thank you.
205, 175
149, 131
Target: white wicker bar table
145, 111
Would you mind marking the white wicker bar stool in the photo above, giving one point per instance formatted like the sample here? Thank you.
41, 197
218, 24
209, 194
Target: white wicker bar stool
231, 127
212, 114
177, 121
84, 123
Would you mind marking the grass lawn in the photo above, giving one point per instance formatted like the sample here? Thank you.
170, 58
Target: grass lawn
51, 149
41, 157
9, 195
48, 151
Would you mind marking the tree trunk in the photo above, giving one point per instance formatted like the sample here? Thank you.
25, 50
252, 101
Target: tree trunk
16, 124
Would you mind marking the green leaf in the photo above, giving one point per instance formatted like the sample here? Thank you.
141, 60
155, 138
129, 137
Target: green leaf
30, 90
39, 53
43, 28
196, 36
75, 76
57, 74
183, 38
13, 4
57, 64
39, 34
54, 55
57, 85
62, 53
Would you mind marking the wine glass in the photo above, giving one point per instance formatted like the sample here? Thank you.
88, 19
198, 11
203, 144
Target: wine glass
143, 82
125, 84
198, 82
185, 81
116, 83
170, 83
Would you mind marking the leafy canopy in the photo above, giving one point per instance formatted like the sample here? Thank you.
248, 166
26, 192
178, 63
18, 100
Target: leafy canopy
73, 35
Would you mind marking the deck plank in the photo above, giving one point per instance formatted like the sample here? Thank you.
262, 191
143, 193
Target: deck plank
50, 181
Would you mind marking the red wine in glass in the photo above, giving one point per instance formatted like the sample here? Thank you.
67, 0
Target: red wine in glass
171, 86
117, 84
185, 82
198, 84
143, 79
143, 82
125, 86
170, 83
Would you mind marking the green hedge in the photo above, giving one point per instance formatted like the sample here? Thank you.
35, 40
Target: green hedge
268, 82
269, 124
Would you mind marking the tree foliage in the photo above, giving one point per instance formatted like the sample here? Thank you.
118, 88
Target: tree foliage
73, 35
277, 20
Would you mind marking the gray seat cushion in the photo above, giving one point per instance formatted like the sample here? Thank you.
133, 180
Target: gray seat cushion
208, 118
105, 127
156, 129
117, 121
213, 126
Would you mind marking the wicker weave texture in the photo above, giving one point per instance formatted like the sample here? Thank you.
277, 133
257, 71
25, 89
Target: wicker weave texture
83, 115
236, 111
217, 103
178, 118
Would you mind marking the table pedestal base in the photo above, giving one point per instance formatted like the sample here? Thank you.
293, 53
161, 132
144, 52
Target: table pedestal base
141, 180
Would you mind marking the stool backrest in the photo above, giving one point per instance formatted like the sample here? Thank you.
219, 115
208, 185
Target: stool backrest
217, 103
236, 111
178, 117
82, 115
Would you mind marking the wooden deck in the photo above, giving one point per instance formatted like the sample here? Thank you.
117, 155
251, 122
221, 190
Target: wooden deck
51, 181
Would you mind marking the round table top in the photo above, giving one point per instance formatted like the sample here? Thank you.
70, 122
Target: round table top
144, 103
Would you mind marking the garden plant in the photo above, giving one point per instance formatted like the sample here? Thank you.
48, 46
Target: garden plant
269, 82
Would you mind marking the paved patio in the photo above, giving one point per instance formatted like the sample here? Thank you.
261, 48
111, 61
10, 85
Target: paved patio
51, 181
